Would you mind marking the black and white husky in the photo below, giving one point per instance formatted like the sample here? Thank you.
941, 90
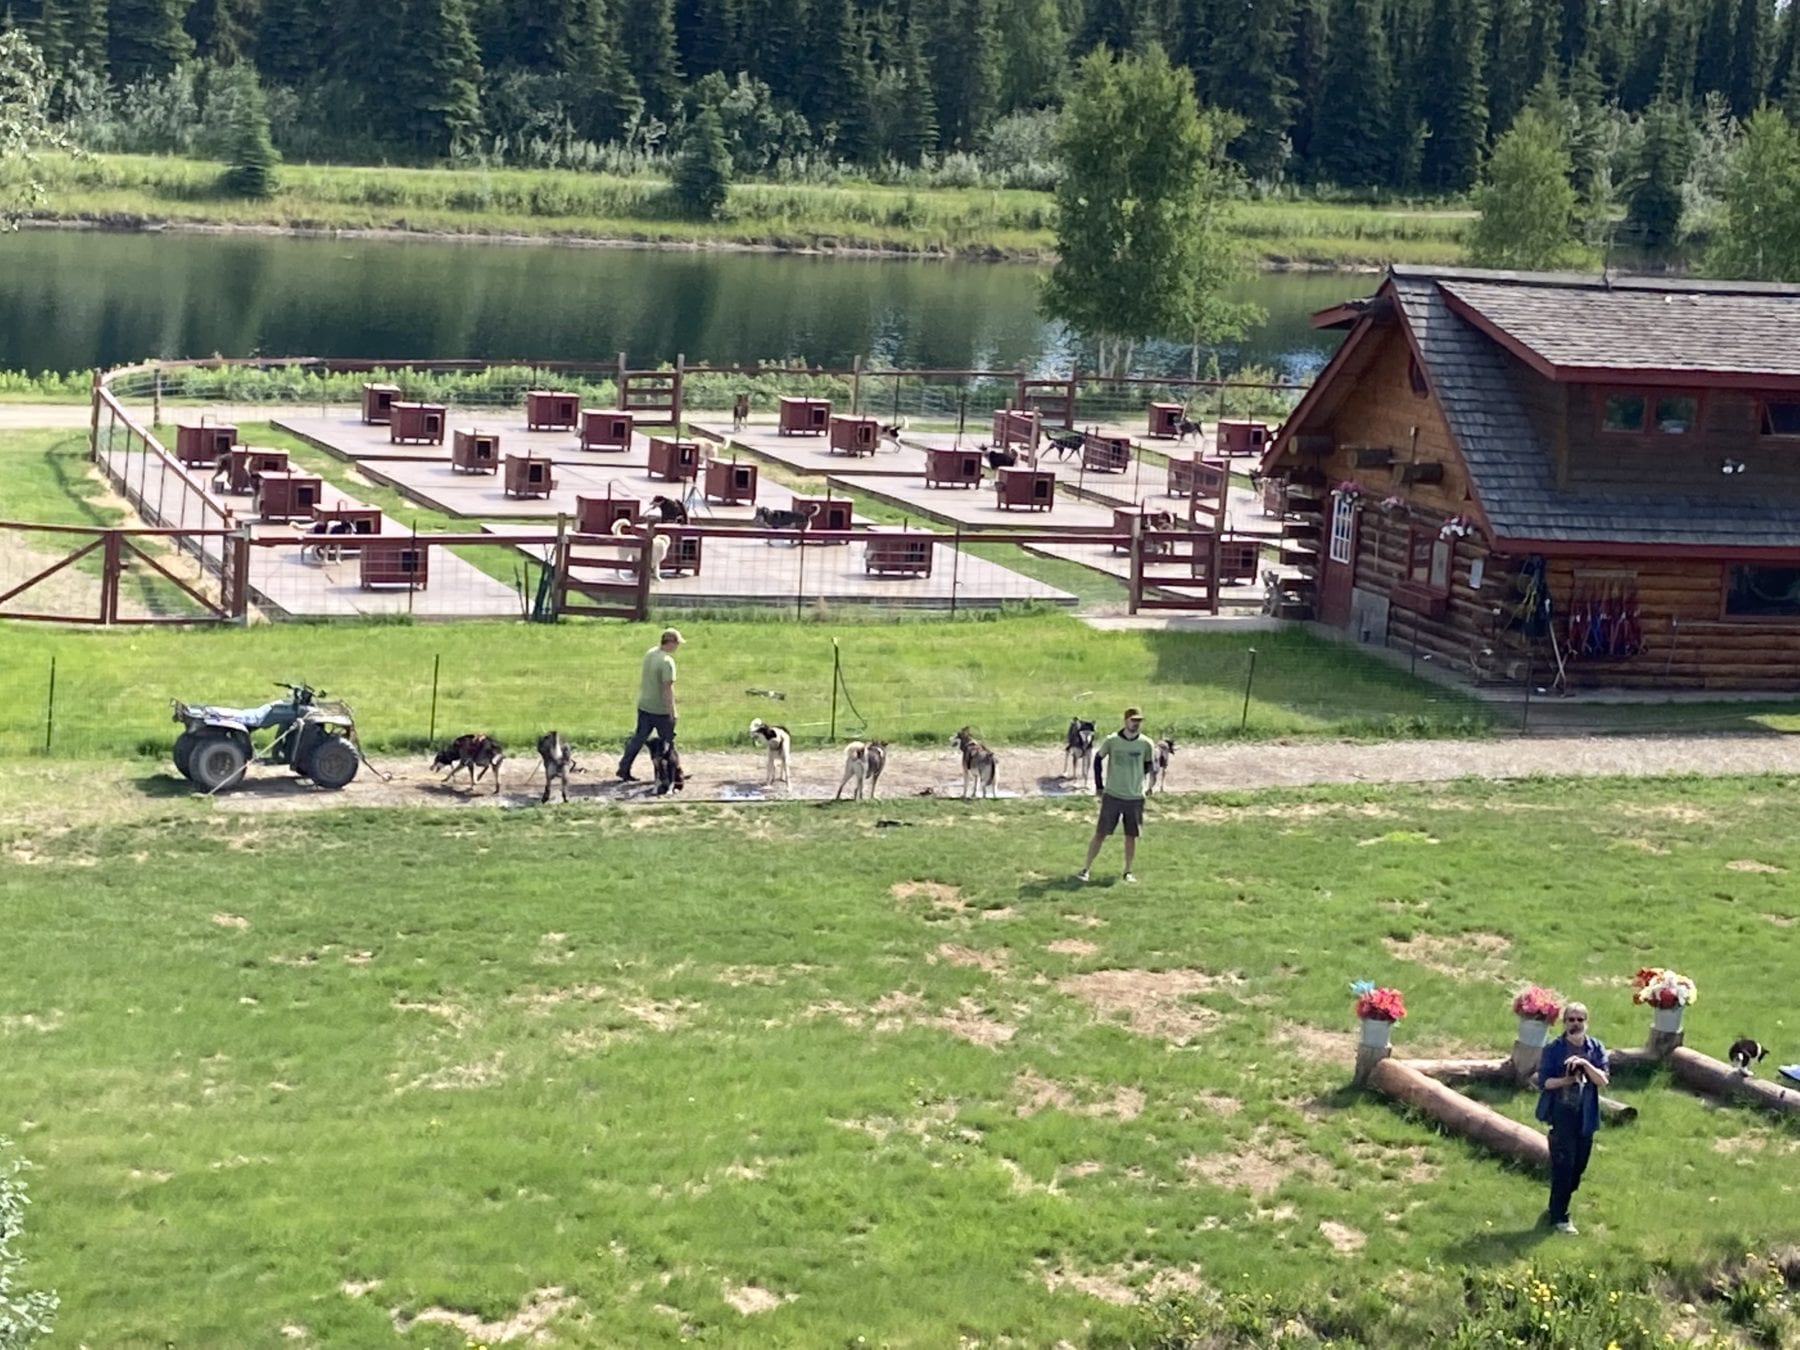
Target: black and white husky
775, 742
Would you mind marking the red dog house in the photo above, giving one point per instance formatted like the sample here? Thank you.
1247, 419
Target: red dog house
1105, 454
1015, 427
729, 482
416, 423
360, 519
953, 468
285, 495
551, 410
1243, 438
242, 463
683, 557
803, 416
824, 513
1165, 421
674, 461
904, 554
598, 515
201, 447
1031, 489
606, 429
475, 451
855, 435
391, 561
528, 476
378, 403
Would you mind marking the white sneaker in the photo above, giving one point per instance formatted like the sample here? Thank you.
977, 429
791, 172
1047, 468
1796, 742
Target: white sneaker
1130, 878
1567, 1228
1081, 875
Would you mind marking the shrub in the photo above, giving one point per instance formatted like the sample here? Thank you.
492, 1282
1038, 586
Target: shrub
25, 1314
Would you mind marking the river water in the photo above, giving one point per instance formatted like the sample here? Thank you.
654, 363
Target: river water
70, 300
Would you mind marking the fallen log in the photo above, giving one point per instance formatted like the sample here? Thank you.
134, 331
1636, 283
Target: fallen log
1615, 1112
1456, 1113
1707, 1074
1463, 1070
1641, 1057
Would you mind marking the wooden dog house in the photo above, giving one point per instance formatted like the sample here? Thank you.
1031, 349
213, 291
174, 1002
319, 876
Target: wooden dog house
1032, 489
854, 435
242, 463
1013, 426
1243, 438
803, 416
378, 402
416, 423
391, 561
607, 428
528, 476
1240, 560
598, 515
360, 519
1105, 454
202, 447
287, 495
831, 514
475, 451
683, 557
1165, 421
953, 468
674, 461
551, 410
1126, 518
729, 482
904, 554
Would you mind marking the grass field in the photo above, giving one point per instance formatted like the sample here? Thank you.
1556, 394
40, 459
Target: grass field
781, 1077
601, 206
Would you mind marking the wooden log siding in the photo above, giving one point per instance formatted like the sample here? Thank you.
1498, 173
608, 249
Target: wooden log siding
1382, 560
1380, 412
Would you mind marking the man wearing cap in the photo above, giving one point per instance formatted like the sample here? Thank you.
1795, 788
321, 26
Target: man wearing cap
1121, 762
656, 700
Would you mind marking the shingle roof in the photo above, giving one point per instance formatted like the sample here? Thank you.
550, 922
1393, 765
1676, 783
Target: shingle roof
1511, 470
1629, 329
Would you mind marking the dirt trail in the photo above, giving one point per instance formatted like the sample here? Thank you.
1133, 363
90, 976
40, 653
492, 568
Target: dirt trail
720, 775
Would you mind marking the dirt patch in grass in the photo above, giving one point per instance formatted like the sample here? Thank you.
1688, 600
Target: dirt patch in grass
1260, 1165
972, 1022
459, 1018
1468, 956
935, 893
1780, 920
751, 1299
1073, 947
993, 962
533, 1316
1315, 1045
357, 1288
461, 1077
1217, 1103
1153, 1002
1410, 1163
899, 1009
38, 1022
1085, 920
231, 920
1124, 1285
1676, 811
1108, 1286
657, 1016
1036, 1093
1343, 1238
1752, 865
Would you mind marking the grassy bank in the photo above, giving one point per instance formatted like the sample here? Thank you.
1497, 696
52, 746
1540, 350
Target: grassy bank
135, 189
652, 1077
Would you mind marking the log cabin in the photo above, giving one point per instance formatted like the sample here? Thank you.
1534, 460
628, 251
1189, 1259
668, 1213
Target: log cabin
1556, 477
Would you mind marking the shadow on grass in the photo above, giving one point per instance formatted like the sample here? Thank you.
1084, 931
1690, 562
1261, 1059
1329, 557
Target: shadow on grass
1497, 1245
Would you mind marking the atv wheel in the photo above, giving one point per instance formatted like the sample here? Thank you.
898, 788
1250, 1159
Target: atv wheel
184, 749
215, 761
333, 764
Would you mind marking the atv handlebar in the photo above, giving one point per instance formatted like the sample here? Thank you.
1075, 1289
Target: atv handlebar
303, 693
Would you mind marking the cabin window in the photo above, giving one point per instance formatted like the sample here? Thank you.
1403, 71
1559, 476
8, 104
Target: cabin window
1763, 591
1343, 527
1623, 414
1428, 561
1781, 417
1675, 414
1628, 412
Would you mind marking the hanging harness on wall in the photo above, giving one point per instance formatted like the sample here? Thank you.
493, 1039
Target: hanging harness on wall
1531, 610
1604, 622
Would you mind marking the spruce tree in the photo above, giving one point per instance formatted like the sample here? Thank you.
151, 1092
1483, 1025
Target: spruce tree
837, 90
1457, 109
1032, 46
702, 177
1507, 61
773, 43
51, 35
438, 92
1350, 137
85, 24
916, 134
1306, 71
608, 101
647, 40
288, 41
707, 36
224, 31
250, 157
1781, 64
145, 39
965, 45
1713, 52
1258, 86
1653, 206
1751, 41
1576, 39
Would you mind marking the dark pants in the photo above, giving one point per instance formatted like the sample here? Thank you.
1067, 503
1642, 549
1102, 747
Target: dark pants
1569, 1150
660, 723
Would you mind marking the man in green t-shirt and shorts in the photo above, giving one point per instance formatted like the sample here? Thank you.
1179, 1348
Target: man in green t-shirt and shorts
656, 700
1120, 764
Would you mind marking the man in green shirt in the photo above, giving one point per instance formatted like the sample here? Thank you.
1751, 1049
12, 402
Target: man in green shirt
1120, 763
656, 700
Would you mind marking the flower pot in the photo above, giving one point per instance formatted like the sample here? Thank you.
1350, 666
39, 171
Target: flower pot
1665, 1019
1376, 1032
1533, 1032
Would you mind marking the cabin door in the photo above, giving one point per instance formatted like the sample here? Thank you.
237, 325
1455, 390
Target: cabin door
1338, 577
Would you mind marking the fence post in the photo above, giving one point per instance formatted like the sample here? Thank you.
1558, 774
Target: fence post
156, 401
240, 575
94, 417
1249, 678
50, 707
646, 570
955, 569
1525, 710
431, 733
837, 664
412, 584
856, 386
1137, 564
800, 576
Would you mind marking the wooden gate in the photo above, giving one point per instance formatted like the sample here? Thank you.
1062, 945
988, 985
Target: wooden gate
654, 395
1174, 569
1053, 400
603, 576
221, 554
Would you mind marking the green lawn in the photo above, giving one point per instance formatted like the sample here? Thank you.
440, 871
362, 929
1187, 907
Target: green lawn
287, 1078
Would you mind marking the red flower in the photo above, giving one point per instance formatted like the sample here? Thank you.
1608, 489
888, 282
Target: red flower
1381, 1005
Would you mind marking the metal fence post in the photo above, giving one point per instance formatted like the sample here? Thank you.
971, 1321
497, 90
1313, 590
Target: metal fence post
800, 576
431, 733
837, 661
50, 707
1249, 678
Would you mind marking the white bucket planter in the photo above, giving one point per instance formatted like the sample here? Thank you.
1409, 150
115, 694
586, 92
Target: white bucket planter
1666, 1019
1533, 1032
1376, 1032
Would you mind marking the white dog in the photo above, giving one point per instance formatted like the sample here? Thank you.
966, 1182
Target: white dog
863, 762
776, 742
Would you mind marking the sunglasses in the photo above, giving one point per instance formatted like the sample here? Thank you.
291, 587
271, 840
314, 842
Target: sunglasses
1574, 1021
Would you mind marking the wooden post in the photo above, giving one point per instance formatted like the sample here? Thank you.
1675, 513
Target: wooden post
856, 386
680, 407
1456, 1113
240, 575
1724, 1080
94, 418
1664, 1043
622, 403
1368, 1058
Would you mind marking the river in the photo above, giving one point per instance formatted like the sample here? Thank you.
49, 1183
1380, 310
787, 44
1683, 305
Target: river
71, 300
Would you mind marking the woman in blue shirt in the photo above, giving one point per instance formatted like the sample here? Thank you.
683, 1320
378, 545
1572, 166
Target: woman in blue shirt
1570, 1074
